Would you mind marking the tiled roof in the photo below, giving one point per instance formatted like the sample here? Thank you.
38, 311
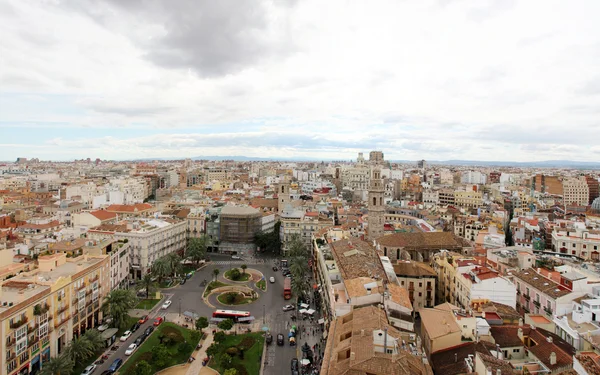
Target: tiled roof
507, 336
504, 311
545, 285
356, 258
430, 240
415, 269
543, 348
103, 215
129, 208
49, 225
438, 323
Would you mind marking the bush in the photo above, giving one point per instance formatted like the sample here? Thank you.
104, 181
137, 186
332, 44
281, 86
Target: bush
232, 351
247, 343
195, 336
235, 274
230, 297
226, 324
185, 347
219, 336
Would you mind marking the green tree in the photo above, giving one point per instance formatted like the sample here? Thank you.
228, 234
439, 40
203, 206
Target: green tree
235, 274
174, 261
117, 304
225, 360
160, 355
219, 336
148, 283
201, 323
297, 255
215, 273
230, 297
161, 268
244, 267
226, 324
230, 371
60, 365
196, 249
94, 338
143, 368
80, 349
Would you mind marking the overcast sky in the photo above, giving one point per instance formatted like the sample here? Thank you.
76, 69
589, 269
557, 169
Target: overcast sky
439, 80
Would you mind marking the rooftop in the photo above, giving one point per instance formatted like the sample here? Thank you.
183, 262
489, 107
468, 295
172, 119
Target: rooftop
414, 269
356, 258
541, 283
428, 240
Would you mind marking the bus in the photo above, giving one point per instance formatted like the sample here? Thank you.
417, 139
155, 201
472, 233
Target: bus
287, 288
231, 314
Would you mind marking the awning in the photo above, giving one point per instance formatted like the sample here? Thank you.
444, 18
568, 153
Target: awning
304, 306
302, 311
217, 319
310, 311
246, 319
190, 314
109, 333
325, 334
321, 321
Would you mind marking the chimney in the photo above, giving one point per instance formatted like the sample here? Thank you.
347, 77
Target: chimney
520, 333
549, 338
552, 359
455, 357
352, 356
498, 372
520, 322
362, 332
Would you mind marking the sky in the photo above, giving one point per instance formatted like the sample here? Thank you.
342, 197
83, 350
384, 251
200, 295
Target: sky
490, 80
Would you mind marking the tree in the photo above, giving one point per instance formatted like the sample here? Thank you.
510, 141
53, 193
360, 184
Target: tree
244, 267
226, 324
117, 304
219, 337
215, 273
269, 241
230, 297
148, 283
60, 365
196, 249
230, 371
80, 349
297, 257
160, 355
201, 323
234, 274
94, 338
161, 268
143, 368
174, 261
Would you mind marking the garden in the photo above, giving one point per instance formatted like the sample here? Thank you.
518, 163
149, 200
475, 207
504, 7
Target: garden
213, 285
262, 284
234, 274
241, 352
169, 345
236, 298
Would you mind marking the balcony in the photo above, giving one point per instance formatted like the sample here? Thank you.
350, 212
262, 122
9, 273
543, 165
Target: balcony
527, 296
19, 323
536, 303
518, 292
94, 279
58, 324
40, 309
411, 287
548, 311
525, 308
61, 310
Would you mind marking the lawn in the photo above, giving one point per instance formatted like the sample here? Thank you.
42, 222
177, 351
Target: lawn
213, 285
250, 343
239, 299
262, 284
177, 356
146, 304
243, 276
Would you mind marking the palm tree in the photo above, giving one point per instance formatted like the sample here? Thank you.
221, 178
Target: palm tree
196, 249
148, 283
60, 365
243, 267
174, 261
80, 349
161, 268
117, 304
94, 337
216, 273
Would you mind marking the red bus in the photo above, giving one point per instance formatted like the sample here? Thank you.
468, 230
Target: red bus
231, 314
287, 288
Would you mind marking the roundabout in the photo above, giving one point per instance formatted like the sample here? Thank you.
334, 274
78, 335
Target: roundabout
237, 298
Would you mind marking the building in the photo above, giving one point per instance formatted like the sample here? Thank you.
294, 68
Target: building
363, 342
439, 330
376, 206
577, 240
41, 311
94, 218
419, 246
420, 281
473, 283
468, 199
239, 224
576, 191
547, 184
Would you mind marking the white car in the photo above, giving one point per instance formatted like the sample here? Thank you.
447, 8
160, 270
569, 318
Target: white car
236, 257
166, 304
125, 336
271, 279
288, 307
131, 349
88, 370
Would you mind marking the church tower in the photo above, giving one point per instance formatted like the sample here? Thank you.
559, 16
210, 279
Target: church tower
283, 195
376, 205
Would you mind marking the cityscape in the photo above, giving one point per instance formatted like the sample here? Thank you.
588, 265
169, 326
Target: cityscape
263, 187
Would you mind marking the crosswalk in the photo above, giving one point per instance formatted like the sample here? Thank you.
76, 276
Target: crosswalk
237, 262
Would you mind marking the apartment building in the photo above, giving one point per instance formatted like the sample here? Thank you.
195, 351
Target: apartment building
290, 225
474, 283
575, 239
539, 294
148, 239
420, 281
239, 224
446, 197
576, 191
431, 196
468, 199
42, 310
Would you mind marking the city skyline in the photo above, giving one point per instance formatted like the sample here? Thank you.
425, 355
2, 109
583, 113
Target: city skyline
434, 80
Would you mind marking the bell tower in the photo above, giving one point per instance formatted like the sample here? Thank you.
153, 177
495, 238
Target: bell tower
376, 205
283, 195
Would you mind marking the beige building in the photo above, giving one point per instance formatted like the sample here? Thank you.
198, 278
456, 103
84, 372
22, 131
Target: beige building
576, 190
420, 281
468, 199
439, 330
42, 310
363, 342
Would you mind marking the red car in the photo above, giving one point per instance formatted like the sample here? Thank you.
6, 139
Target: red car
158, 320
143, 319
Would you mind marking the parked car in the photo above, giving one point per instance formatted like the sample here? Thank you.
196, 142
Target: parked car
103, 327
236, 257
280, 340
115, 365
275, 268
269, 338
125, 336
166, 304
140, 340
131, 349
143, 319
88, 370
135, 326
271, 279
148, 331
288, 307
158, 320
294, 364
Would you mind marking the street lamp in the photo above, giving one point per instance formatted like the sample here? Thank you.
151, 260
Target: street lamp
180, 307
264, 316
